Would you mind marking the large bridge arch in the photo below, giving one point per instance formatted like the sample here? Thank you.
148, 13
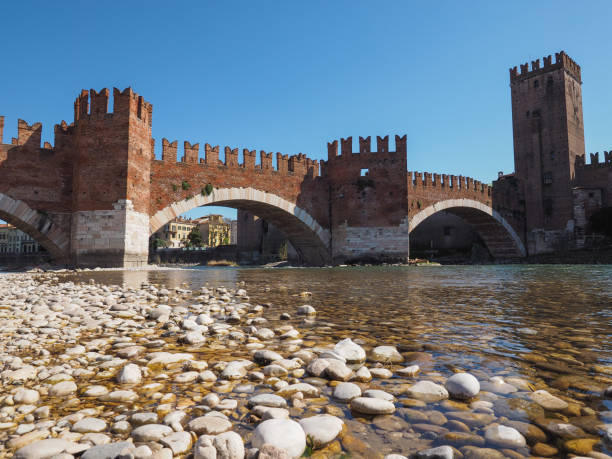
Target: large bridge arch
499, 236
309, 238
38, 225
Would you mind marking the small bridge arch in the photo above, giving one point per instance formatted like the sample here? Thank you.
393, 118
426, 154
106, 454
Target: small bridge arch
37, 224
499, 236
307, 236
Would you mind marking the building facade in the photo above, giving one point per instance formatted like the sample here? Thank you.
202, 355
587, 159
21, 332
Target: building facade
215, 230
175, 233
14, 241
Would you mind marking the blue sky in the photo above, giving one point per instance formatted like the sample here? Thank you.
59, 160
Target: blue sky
290, 76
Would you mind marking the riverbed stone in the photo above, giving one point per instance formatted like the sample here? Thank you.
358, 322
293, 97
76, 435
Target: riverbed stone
346, 391
368, 405
270, 400
109, 451
441, 452
209, 425
150, 432
322, 428
63, 388
386, 354
462, 386
427, 391
48, 448
548, 401
350, 351
89, 425
281, 433
504, 437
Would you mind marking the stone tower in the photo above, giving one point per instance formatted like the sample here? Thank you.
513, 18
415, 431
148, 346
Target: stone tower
548, 135
111, 175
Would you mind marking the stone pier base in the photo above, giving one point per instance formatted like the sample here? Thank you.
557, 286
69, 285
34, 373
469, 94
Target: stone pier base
110, 238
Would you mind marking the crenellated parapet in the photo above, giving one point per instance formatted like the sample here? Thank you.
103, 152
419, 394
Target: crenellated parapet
562, 61
298, 164
93, 105
447, 183
365, 146
595, 160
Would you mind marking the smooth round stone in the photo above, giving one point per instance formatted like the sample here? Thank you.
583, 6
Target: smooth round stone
350, 351
266, 356
548, 401
121, 427
386, 354
229, 445
107, 451
363, 375
306, 310
504, 436
462, 386
427, 391
381, 394
150, 432
186, 377
141, 419
95, 391
337, 370
275, 370
305, 388
369, 405
63, 388
441, 452
129, 374
47, 448
268, 412
209, 425
381, 373
409, 371
178, 442
346, 391
121, 396
280, 433
270, 400
89, 425
317, 367
211, 400
322, 428
26, 396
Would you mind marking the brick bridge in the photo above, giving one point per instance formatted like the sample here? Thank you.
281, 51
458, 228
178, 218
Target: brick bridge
96, 195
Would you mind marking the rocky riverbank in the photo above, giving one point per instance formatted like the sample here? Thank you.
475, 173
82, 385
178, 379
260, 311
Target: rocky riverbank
105, 371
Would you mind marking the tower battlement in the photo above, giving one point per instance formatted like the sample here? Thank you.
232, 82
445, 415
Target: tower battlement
562, 61
365, 146
92, 105
595, 159
453, 183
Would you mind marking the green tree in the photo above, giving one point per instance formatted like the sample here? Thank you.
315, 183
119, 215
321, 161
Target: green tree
194, 238
158, 242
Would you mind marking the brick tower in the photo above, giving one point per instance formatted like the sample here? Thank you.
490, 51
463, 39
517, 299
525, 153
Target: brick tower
111, 175
548, 135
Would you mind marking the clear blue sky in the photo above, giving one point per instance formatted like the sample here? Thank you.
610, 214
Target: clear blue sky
290, 76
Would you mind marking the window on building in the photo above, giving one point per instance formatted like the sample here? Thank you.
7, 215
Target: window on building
547, 178
364, 172
552, 155
536, 113
536, 83
548, 207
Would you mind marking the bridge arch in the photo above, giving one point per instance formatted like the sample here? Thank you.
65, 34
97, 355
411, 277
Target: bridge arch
38, 225
499, 236
307, 236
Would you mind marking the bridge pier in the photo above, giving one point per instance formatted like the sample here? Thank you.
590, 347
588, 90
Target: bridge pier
110, 238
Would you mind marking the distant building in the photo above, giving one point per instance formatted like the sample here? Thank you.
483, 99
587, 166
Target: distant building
175, 232
215, 230
233, 232
15, 241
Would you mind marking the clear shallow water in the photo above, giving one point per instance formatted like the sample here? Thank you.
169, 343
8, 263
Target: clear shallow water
549, 325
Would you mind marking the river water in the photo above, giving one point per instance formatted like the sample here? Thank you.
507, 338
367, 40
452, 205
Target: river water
539, 327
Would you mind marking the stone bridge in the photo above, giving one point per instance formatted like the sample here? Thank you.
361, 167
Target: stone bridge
96, 195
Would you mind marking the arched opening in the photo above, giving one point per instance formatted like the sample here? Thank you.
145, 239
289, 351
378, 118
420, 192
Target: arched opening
479, 223
308, 238
41, 228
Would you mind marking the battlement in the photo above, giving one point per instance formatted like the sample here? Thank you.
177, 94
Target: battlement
298, 164
562, 60
447, 182
365, 146
92, 105
594, 157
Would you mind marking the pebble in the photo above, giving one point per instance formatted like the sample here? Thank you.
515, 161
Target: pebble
346, 391
462, 386
89, 425
150, 432
427, 391
209, 425
350, 351
322, 428
441, 452
386, 354
284, 434
548, 401
504, 437
369, 405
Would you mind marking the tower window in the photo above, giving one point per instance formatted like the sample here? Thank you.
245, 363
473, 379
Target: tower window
536, 83
552, 155
364, 172
547, 178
